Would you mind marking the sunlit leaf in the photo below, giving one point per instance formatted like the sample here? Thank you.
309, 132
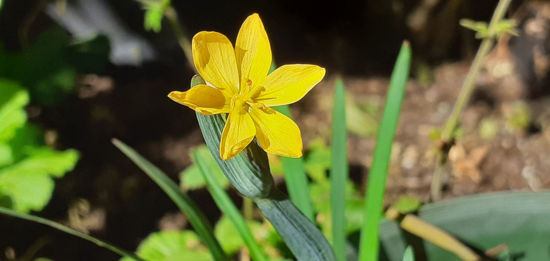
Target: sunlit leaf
13, 99
407, 204
172, 246
191, 178
29, 182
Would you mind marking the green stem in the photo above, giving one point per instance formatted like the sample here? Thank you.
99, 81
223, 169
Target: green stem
180, 33
466, 91
69, 230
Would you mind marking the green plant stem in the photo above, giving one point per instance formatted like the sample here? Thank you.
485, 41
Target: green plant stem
69, 230
228, 208
369, 244
466, 91
339, 172
180, 33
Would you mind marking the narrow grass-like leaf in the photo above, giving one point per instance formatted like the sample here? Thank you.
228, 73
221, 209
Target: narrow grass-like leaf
70, 231
368, 250
226, 205
409, 254
295, 178
339, 172
184, 203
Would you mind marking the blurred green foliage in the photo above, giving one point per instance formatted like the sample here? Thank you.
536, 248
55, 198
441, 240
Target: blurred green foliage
47, 68
191, 177
27, 167
154, 12
172, 246
482, 28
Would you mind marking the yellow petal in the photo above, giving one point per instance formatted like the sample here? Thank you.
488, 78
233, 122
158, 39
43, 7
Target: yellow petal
275, 132
214, 59
290, 83
203, 99
253, 53
238, 132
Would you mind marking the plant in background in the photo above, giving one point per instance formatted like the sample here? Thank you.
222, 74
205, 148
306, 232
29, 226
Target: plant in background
27, 166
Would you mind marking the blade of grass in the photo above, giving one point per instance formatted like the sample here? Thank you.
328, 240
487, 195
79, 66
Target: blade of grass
339, 172
228, 208
184, 203
296, 179
70, 231
368, 248
409, 254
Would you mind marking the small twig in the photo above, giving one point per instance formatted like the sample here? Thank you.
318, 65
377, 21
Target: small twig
464, 97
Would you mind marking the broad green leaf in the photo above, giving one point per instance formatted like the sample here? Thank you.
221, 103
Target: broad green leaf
27, 190
172, 246
13, 99
29, 182
231, 242
6, 155
191, 178
47, 160
519, 219
369, 245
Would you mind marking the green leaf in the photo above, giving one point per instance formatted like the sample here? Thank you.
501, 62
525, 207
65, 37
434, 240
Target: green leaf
226, 205
154, 12
407, 204
172, 246
339, 172
13, 99
368, 249
519, 219
481, 28
45, 159
409, 254
184, 203
295, 178
317, 161
29, 184
27, 190
6, 155
232, 241
192, 178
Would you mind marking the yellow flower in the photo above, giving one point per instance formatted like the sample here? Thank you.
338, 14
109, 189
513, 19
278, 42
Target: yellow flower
238, 84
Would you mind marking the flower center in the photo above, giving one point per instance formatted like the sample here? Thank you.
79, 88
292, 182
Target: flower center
239, 102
